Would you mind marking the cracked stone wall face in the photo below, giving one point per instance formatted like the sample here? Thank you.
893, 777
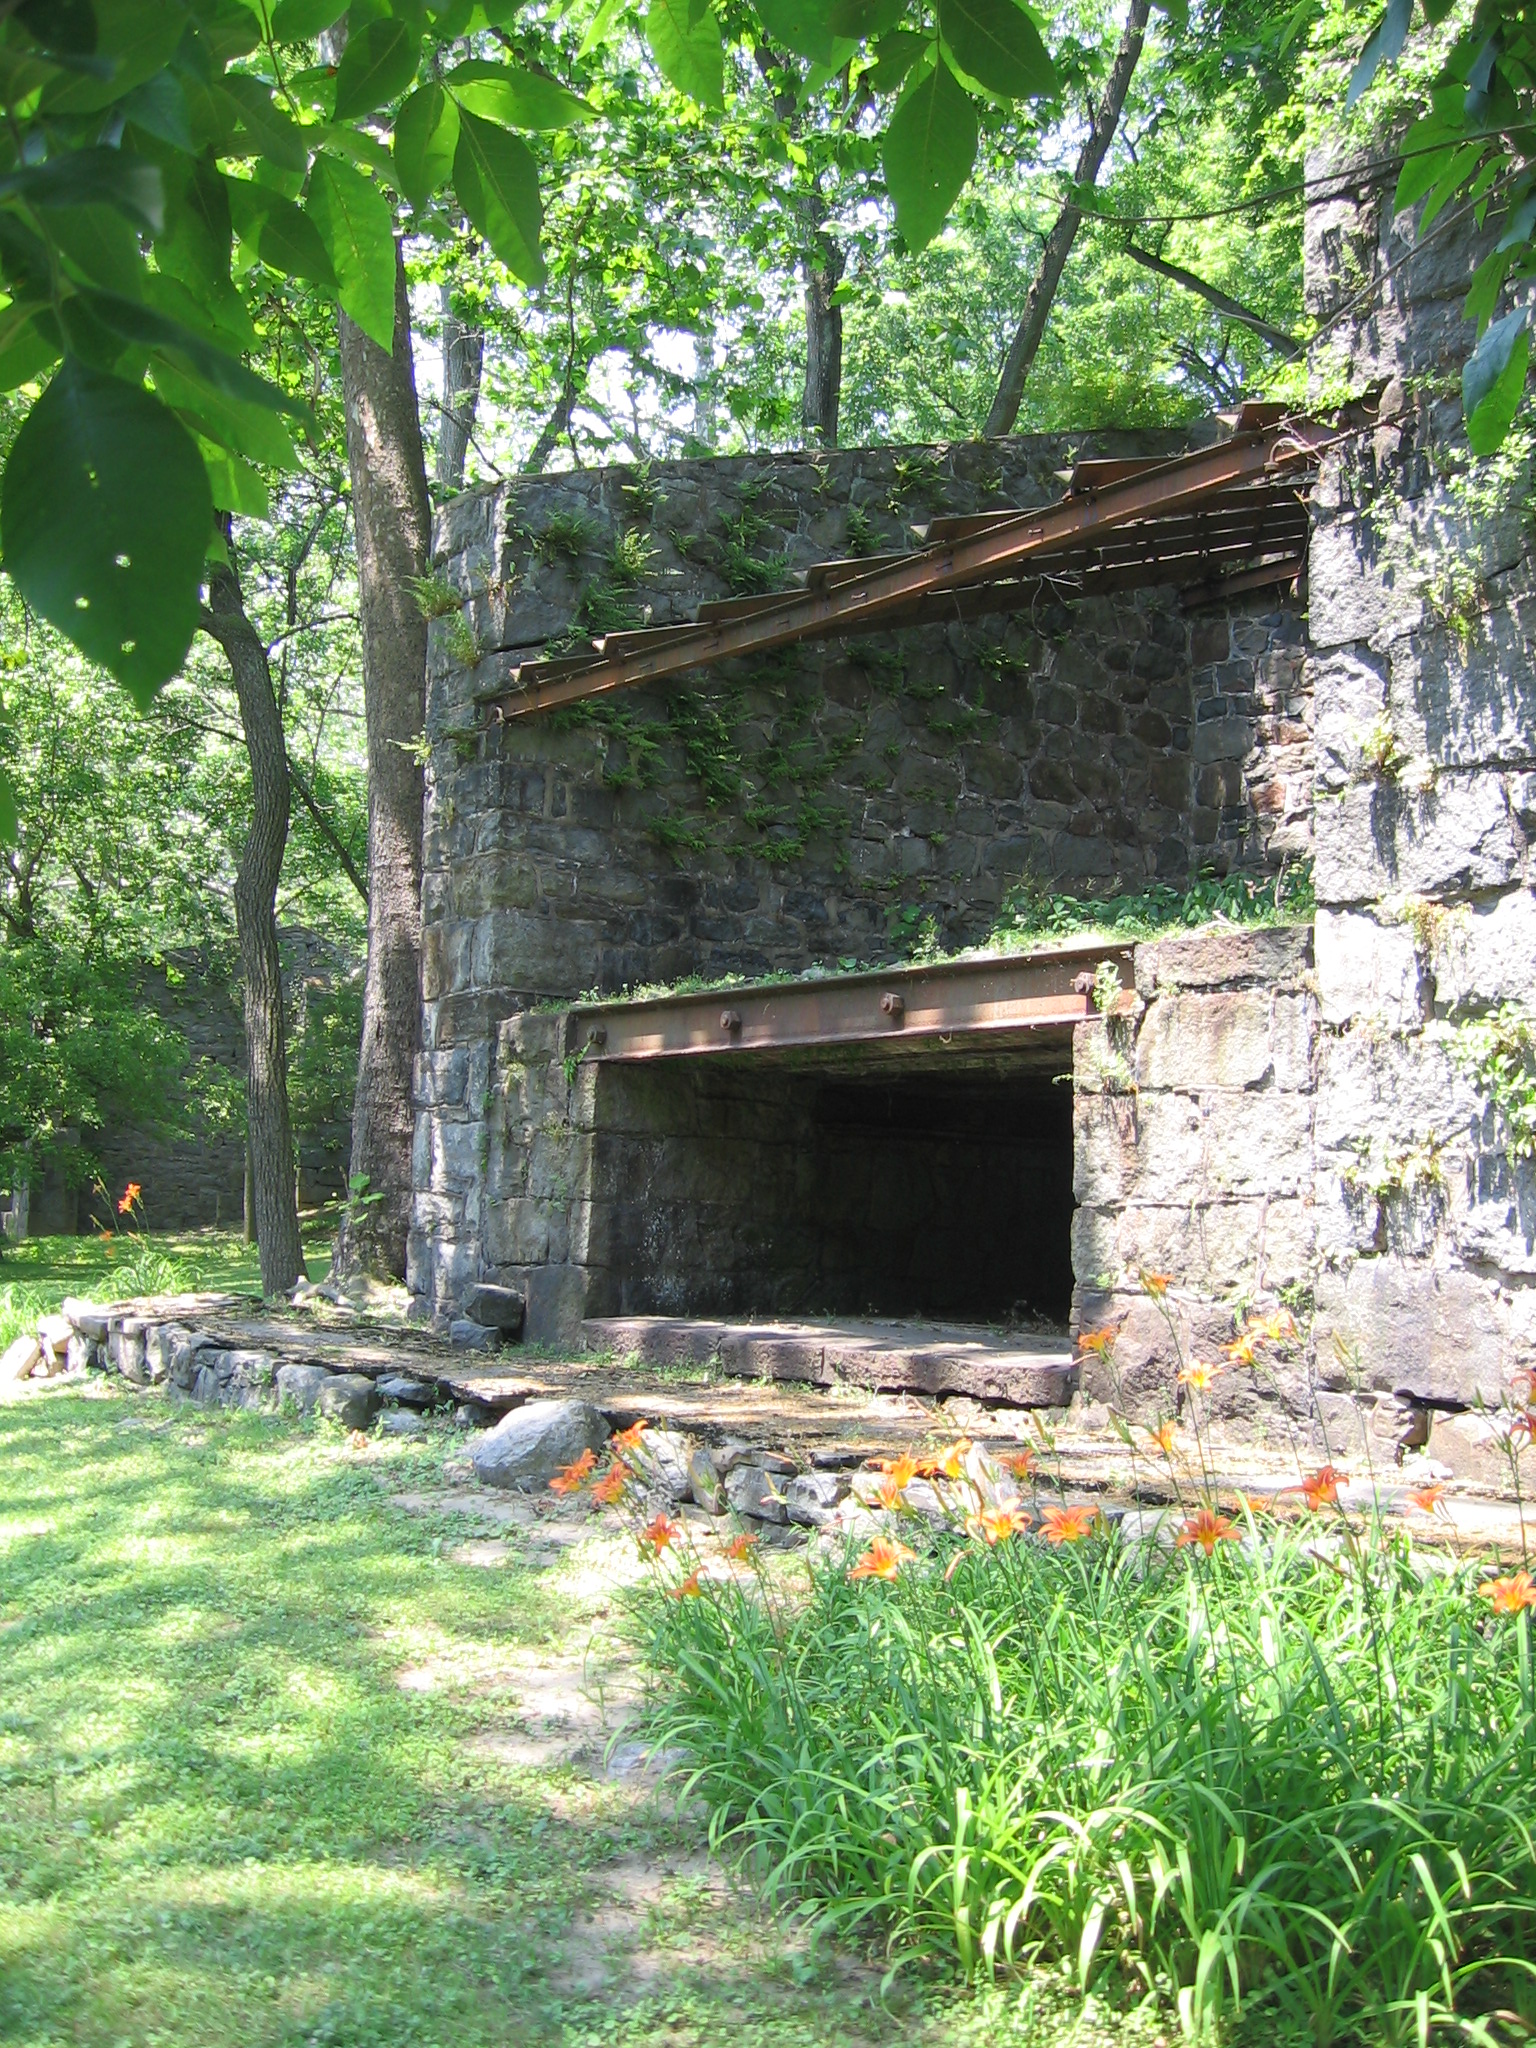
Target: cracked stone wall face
1422, 628
894, 779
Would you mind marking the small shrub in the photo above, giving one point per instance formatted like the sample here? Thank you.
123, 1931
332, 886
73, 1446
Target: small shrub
570, 534
434, 596
1499, 1053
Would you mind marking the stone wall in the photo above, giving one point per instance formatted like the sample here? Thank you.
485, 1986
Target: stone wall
1422, 630
828, 805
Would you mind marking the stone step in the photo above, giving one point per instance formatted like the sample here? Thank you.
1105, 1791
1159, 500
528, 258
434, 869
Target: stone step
886, 1357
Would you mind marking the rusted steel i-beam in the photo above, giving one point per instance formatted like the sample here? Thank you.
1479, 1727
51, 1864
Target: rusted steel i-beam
1169, 488
968, 1001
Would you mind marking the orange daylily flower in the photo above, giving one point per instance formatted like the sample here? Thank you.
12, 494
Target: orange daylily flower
1068, 1525
741, 1547
1241, 1351
996, 1525
611, 1486
1198, 1377
1207, 1528
1156, 1284
629, 1439
882, 1560
945, 1464
1165, 1437
690, 1589
1427, 1498
573, 1476
1020, 1463
1098, 1340
899, 1475
659, 1532
1508, 1596
1320, 1489
131, 1194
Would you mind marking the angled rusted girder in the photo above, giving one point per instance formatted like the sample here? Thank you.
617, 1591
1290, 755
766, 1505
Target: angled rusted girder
1165, 489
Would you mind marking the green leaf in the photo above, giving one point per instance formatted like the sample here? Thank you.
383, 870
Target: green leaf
426, 136
996, 43
68, 26
927, 153
265, 127
98, 246
159, 108
234, 484
803, 26
138, 38
862, 19
9, 822
498, 186
895, 55
686, 42
279, 233
146, 327
358, 230
515, 99
29, 345
1423, 163
1519, 223
195, 244
1487, 283
1493, 382
375, 66
92, 177
601, 26
1382, 45
248, 430
296, 21
91, 456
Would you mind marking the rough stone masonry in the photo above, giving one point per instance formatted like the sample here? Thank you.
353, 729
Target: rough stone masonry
1299, 1112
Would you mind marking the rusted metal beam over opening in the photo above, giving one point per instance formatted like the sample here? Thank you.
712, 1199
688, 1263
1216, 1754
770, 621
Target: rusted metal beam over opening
983, 1000
1192, 521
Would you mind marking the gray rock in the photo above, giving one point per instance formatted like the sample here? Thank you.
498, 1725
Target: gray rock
476, 1415
756, 1494
472, 1336
496, 1308
705, 1482
410, 1393
528, 1447
811, 1500
18, 1359
662, 1461
349, 1398
125, 1348
728, 1456
301, 1385
87, 1318
402, 1422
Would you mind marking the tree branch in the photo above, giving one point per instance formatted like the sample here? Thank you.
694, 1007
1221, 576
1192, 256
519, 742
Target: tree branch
1285, 344
326, 829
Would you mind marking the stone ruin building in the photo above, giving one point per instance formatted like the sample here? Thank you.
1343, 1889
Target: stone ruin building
857, 1133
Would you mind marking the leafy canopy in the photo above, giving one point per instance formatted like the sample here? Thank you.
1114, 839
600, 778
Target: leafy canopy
155, 149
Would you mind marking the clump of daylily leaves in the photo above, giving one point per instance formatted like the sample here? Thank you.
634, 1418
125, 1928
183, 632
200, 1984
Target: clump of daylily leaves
1265, 1771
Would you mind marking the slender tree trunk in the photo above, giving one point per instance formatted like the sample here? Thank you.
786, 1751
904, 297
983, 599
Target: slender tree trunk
1058, 243
394, 541
261, 865
248, 1195
823, 344
1234, 309
463, 359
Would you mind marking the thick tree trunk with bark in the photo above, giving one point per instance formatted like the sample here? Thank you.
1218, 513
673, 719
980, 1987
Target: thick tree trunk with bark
823, 344
261, 864
463, 360
394, 539
1058, 243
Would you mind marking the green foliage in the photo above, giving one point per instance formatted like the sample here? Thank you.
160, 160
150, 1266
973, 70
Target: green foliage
1498, 1051
1032, 913
435, 596
571, 534
1278, 1789
323, 1054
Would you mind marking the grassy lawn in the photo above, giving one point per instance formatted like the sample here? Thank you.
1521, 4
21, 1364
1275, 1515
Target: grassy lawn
250, 1788
36, 1274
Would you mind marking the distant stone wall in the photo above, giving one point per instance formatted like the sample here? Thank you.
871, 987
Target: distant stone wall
828, 804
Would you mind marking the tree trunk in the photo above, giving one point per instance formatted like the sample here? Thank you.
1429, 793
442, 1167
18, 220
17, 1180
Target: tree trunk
1284, 344
261, 865
1058, 243
823, 344
248, 1196
463, 359
394, 541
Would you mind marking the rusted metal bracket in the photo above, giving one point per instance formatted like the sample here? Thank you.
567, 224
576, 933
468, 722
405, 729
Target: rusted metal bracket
983, 998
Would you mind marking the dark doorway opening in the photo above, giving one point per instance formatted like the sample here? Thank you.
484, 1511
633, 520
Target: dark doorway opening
936, 1186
